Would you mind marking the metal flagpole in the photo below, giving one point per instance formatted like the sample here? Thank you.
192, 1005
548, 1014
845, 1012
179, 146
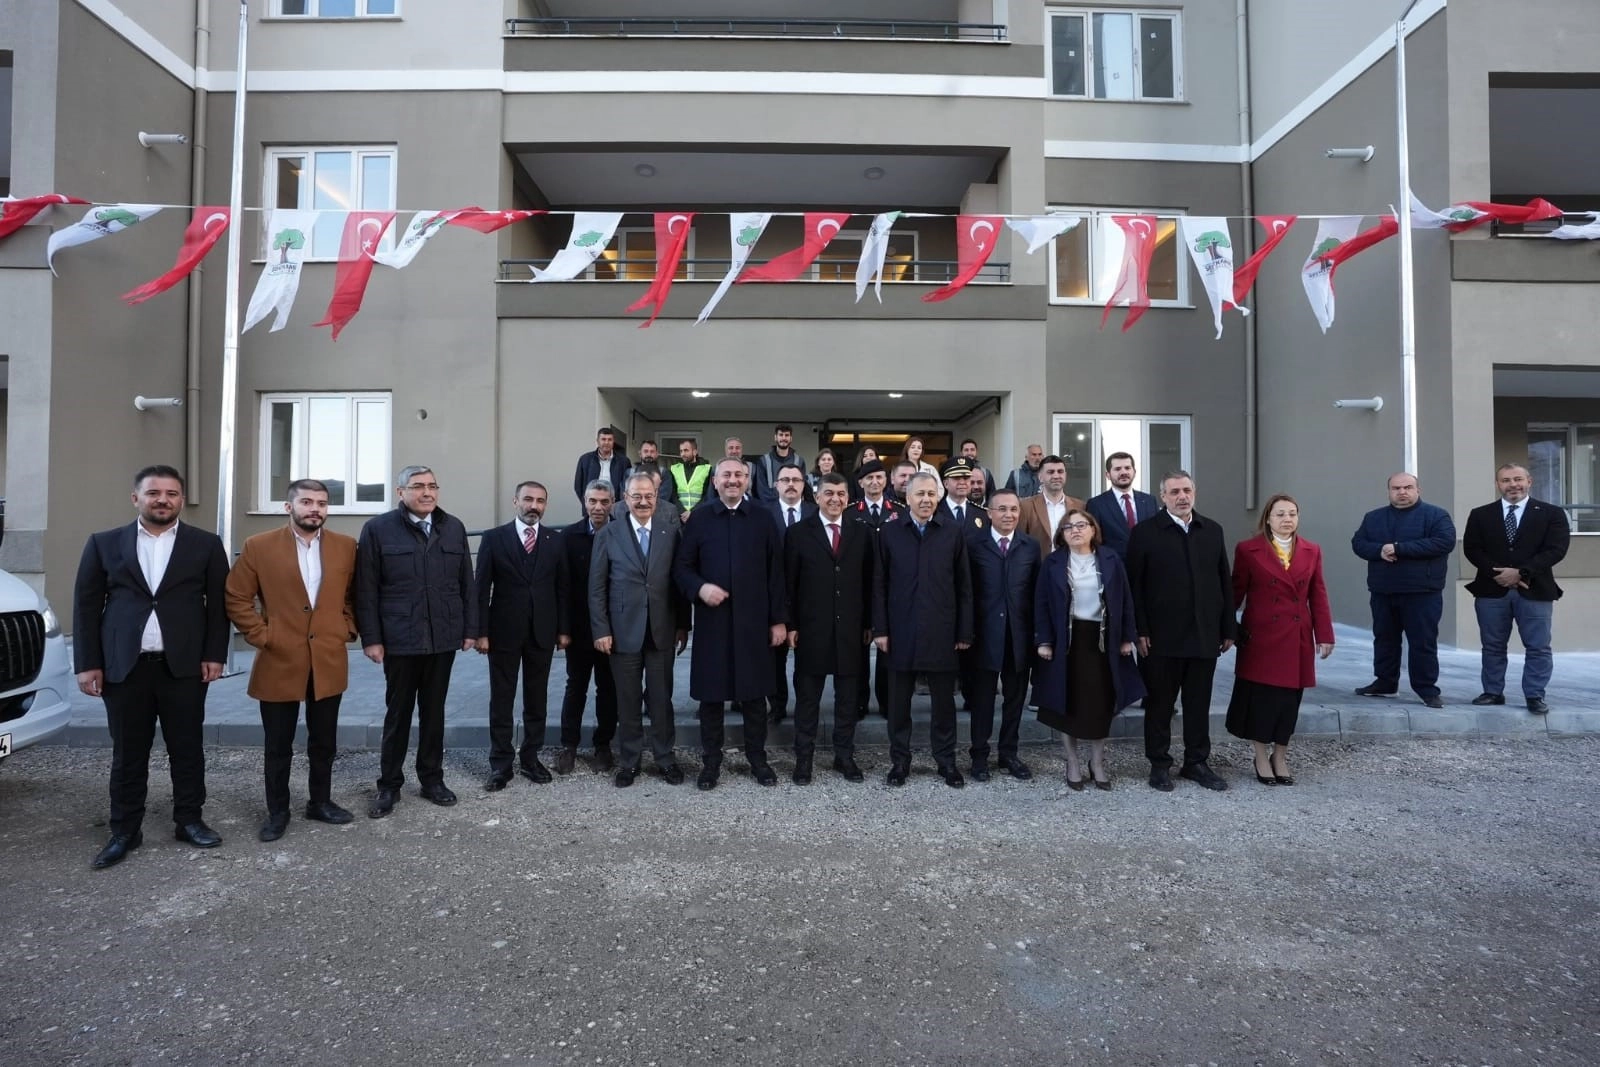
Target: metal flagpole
230, 316
1408, 293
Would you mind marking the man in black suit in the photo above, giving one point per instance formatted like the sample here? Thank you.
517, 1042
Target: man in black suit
875, 508
1122, 507
1183, 606
789, 509
922, 620
582, 659
522, 584
828, 566
1515, 544
972, 519
1005, 568
152, 633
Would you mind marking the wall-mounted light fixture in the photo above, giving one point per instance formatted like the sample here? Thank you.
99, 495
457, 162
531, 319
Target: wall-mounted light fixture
1374, 403
150, 140
145, 403
1363, 154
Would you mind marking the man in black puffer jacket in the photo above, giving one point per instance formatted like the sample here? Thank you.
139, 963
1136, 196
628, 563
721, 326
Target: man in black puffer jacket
415, 609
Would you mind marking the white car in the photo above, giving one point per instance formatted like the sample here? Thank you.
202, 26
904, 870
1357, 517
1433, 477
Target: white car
36, 679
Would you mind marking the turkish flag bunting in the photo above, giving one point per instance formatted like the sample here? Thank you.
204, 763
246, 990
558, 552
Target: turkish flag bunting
1277, 227
976, 237
821, 227
15, 214
475, 218
363, 230
1387, 227
1517, 214
205, 230
670, 244
1133, 281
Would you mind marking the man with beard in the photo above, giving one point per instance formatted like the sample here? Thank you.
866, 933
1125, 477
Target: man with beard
775, 459
983, 483
1122, 507
1025, 479
1042, 514
650, 461
582, 658
689, 475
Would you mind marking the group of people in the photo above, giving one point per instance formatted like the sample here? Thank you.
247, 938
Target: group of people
1097, 605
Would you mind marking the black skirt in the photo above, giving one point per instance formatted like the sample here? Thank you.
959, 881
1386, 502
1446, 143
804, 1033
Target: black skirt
1264, 713
1091, 694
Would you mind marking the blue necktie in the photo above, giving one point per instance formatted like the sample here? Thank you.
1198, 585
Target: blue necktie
644, 541
427, 528
1511, 524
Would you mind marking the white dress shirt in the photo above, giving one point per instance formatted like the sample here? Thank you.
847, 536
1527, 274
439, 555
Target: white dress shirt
155, 552
1521, 506
1055, 512
309, 554
522, 533
1184, 526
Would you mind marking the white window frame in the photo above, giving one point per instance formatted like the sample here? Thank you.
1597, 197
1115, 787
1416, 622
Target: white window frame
297, 453
620, 242
1144, 477
269, 185
1577, 519
1087, 14
814, 272
314, 8
1093, 217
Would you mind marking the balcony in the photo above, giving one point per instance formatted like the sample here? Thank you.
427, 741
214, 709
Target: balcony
897, 269
832, 29
1525, 254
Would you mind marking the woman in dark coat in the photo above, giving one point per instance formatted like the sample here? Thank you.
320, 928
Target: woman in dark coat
1084, 629
1277, 576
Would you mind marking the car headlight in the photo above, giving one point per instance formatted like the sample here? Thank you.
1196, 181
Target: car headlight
52, 625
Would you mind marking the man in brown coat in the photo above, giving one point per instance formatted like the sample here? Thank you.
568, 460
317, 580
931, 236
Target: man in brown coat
1042, 514
292, 597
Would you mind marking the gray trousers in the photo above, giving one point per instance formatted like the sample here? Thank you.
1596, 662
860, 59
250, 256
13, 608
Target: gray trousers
652, 668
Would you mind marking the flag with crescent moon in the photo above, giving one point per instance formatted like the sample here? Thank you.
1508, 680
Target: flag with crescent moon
288, 240
1244, 276
1133, 279
15, 214
205, 230
744, 230
363, 231
672, 237
821, 227
97, 222
1211, 248
874, 251
423, 227
976, 238
1040, 230
476, 218
591, 233
1317, 273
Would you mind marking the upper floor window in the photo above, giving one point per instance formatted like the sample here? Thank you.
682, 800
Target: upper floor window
335, 9
341, 439
333, 180
1086, 260
632, 258
1115, 54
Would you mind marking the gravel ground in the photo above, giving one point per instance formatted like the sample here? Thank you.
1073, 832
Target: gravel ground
1414, 903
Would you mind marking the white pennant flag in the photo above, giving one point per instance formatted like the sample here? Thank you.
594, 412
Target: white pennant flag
288, 242
1588, 231
1317, 274
1212, 252
96, 223
744, 230
874, 250
591, 233
1040, 230
424, 225
1425, 218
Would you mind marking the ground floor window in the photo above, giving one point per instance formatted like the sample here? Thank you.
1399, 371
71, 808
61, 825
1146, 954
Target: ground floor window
1562, 460
1158, 444
338, 438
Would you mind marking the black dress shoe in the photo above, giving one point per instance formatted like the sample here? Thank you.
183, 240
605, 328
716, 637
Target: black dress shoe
846, 765
277, 822
764, 774
1484, 700
1077, 786
802, 772
1265, 779
1204, 775
1537, 706
329, 812
898, 773
566, 759
497, 781
952, 776
1375, 690
536, 771
439, 793
708, 778
604, 760
1015, 768
1433, 702
625, 777
117, 850
199, 834
672, 774
383, 803
980, 771
1161, 778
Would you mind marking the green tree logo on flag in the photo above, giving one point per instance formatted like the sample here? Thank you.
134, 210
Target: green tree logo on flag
284, 240
1462, 214
1210, 241
587, 239
749, 235
1322, 250
115, 216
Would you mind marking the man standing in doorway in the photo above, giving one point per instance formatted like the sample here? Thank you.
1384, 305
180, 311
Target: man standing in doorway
1024, 481
690, 475
983, 483
1122, 507
779, 456
604, 464
583, 660
650, 462
1042, 514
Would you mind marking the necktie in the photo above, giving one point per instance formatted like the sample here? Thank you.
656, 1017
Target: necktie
833, 535
427, 528
1511, 524
529, 537
874, 513
791, 518
961, 514
1127, 510
644, 541
1005, 545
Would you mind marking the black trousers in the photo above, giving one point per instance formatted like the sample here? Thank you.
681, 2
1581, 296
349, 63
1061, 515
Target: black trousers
582, 663
1013, 687
779, 700
942, 732
642, 677
534, 663
1167, 678
151, 695
417, 683
872, 681
808, 714
1416, 617
755, 731
278, 722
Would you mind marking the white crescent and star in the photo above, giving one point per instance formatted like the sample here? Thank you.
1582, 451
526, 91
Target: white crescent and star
674, 220
1140, 227
981, 224
822, 228
213, 217
1278, 225
367, 246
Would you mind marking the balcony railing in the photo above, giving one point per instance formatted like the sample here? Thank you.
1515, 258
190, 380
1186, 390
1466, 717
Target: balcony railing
897, 29
895, 270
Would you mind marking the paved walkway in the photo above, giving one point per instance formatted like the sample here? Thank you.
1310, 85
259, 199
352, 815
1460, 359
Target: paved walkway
1330, 710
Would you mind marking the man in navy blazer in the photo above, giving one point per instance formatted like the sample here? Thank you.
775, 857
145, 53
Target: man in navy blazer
523, 617
1112, 509
151, 634
1005, 568
789, 509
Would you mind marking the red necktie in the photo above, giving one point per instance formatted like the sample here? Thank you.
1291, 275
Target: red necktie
833, 535
529, 537
1127, 509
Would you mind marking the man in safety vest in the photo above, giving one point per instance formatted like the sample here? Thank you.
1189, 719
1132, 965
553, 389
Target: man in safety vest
689, 477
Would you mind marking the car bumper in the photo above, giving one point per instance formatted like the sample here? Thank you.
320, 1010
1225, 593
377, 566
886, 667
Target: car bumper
51, 711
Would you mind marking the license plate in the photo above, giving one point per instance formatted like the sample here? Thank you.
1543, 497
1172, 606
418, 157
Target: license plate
5, 745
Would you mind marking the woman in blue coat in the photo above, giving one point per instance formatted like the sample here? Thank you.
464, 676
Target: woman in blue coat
1084, 629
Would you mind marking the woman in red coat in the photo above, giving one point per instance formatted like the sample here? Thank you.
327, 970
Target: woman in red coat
1277, 576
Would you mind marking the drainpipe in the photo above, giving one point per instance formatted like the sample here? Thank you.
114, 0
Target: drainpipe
197, 187
1247, 201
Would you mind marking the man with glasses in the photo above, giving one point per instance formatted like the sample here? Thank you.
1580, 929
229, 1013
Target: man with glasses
789, 509
415, 609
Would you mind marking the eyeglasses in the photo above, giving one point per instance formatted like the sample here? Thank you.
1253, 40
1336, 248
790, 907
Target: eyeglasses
1076, 526
417, 487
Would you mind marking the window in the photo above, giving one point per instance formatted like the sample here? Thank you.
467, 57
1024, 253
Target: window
333, 180
1564, 462
1158, 444
1085, 261
632, 258
335, 9
338, 438
840, 260
1115, 55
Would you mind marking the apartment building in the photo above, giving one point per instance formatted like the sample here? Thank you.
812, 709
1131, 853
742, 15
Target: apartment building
933, 107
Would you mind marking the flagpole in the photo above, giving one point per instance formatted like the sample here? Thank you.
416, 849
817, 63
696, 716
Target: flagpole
1408, 293
230, 315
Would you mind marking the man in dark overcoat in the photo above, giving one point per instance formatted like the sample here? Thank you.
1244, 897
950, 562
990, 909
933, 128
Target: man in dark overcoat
1005, 567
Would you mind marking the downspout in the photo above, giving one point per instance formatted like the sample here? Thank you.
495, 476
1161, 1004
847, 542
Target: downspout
1247, 200
197, 187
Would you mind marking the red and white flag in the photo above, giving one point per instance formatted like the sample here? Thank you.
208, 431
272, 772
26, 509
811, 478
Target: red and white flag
591, 233
205, 230
97, 222
672, 237
821, 226
1477, 212
976, 237
1133, 280
475, 218
424, 226
1337, 241
1244, 276
363, 230
15, 214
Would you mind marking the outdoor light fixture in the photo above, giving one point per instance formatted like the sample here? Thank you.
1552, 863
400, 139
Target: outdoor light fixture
896, 396
645, 170
145, 403
872, 174
1363, 154
699, 394
150, 140
1370, 404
